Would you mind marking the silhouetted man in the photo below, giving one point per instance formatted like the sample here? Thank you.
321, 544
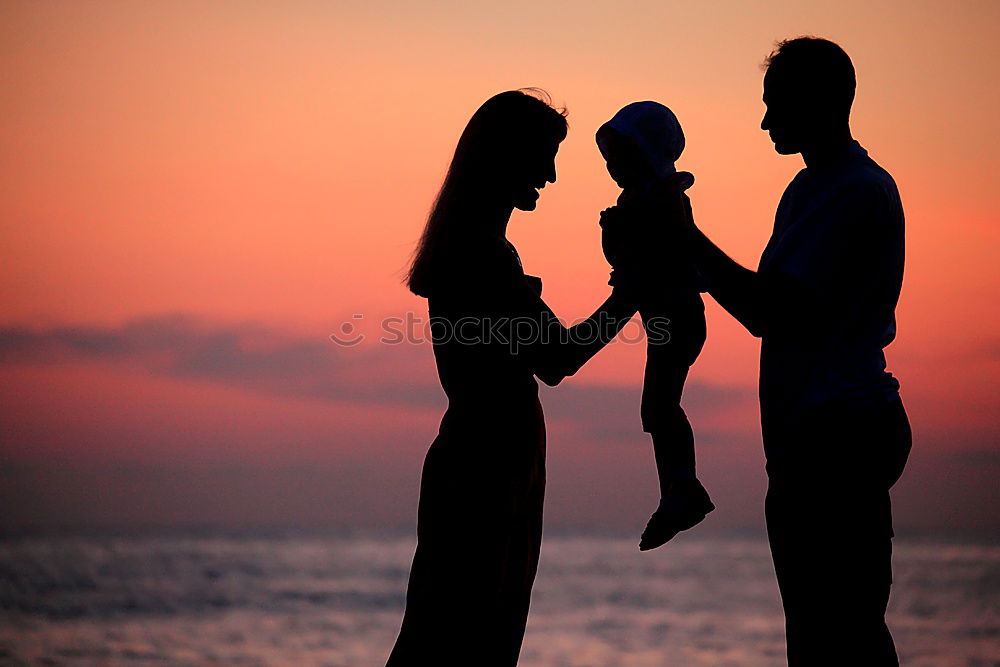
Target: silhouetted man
822, 300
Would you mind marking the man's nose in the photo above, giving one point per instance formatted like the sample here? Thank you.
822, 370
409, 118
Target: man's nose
764, 123
551, 176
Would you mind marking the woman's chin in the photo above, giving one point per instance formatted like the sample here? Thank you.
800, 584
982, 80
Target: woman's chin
527, 201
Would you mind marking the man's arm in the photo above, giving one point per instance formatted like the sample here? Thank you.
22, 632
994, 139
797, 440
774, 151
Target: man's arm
737, 289
849, 260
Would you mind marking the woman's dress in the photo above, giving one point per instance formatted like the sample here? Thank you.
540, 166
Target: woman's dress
479, 522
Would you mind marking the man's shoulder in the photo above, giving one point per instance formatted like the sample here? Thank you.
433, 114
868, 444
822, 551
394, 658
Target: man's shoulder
866, 184
865, 174
798, 183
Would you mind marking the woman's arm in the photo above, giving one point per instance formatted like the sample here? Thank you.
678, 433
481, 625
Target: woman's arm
516, 315
566, 349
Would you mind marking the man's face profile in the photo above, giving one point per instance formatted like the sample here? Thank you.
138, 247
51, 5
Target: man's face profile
786, 115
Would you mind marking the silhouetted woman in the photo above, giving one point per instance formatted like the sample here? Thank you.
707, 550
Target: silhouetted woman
479, 521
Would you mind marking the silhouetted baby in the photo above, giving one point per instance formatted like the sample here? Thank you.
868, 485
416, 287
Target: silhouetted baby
640, 145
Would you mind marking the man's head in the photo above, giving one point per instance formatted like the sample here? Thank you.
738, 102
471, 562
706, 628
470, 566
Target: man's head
808, 91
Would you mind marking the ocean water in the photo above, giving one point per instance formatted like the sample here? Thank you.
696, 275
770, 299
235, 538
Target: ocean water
338, 601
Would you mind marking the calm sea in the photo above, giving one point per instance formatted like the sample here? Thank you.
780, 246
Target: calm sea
338, 601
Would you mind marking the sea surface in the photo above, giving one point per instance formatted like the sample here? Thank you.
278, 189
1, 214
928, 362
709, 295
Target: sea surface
308, 600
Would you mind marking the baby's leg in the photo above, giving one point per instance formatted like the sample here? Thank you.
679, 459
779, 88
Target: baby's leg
665, 421
675, 334
683, 501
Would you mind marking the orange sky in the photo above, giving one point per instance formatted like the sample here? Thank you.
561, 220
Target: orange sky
261, 170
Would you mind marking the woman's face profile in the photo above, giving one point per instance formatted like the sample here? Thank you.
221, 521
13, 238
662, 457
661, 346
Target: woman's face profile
534, 167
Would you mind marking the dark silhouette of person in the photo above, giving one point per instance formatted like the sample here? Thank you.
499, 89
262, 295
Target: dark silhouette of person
640, 144
822, 301
479, 519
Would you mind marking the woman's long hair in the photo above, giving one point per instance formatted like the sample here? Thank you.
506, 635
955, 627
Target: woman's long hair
483, 159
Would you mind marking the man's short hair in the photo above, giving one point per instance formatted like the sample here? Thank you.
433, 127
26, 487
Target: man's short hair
817, 67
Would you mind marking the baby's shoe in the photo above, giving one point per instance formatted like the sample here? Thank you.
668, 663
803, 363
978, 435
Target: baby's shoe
685, 505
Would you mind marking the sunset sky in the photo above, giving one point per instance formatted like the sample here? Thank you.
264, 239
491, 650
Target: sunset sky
195, 195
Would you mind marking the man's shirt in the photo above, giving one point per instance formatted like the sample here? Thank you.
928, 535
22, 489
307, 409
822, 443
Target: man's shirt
832, 272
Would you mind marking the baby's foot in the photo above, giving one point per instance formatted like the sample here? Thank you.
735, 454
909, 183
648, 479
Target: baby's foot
685, 505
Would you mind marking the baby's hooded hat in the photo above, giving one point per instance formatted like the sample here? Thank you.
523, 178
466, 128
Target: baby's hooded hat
656, 131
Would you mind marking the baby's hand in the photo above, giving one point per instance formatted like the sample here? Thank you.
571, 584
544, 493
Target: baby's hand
610, 215
612, 234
